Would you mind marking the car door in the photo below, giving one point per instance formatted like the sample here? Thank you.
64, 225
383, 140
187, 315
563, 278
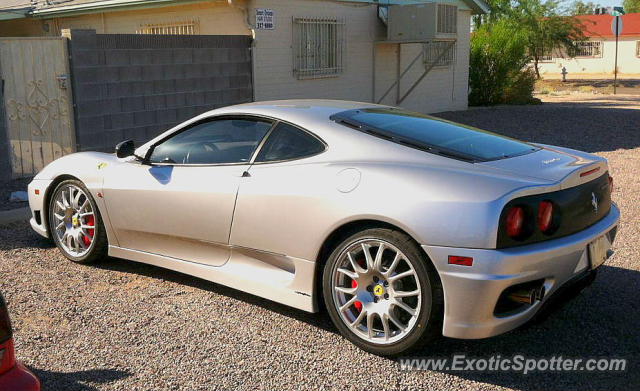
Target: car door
281, 200
179, 203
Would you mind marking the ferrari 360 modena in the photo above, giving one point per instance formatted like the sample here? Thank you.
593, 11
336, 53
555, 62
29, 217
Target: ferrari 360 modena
403, 226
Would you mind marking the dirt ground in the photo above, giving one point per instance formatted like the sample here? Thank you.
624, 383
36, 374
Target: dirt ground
592, 86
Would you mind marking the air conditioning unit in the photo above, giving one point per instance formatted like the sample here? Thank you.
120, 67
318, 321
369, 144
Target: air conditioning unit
421, 22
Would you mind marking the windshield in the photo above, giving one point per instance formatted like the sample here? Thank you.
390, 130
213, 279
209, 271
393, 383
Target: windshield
433, 134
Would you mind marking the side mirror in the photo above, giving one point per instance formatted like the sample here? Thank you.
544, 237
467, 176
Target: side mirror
125, 149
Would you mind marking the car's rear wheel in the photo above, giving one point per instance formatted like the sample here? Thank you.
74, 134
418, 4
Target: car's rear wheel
75, 223
382, 292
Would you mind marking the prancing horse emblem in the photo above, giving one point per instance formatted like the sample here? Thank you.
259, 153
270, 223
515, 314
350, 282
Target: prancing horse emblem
594, 202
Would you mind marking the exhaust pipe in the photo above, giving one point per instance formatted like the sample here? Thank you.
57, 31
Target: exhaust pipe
527, 296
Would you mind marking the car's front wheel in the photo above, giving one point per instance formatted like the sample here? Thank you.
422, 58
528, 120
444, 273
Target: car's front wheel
75, 223
382, 292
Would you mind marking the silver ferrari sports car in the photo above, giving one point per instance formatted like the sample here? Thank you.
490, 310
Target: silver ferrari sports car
403, 226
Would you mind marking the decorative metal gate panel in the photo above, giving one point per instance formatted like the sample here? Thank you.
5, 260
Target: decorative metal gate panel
38, 101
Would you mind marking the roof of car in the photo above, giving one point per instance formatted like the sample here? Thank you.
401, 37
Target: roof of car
295, 110
307, 104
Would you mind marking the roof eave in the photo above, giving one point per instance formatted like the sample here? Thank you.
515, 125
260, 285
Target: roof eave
9, 14
101, 6
478, 6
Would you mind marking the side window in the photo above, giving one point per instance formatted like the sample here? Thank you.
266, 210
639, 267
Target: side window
213, 142
288, 142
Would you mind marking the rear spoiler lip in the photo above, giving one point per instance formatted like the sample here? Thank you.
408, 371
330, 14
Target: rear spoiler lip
588, 166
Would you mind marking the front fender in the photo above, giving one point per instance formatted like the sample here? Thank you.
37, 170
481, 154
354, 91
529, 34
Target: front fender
87, 167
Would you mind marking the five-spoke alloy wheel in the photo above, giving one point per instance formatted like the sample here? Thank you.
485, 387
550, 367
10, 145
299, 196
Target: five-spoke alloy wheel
75, 224
382, 292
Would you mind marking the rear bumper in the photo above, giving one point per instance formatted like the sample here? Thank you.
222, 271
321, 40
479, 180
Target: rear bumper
19, 378
472, 292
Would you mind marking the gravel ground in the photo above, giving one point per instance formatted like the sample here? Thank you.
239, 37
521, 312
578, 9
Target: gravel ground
126, 326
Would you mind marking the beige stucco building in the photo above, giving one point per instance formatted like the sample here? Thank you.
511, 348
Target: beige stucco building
596, 56
301, 48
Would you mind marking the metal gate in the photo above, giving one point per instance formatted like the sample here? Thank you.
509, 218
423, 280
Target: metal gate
38, 101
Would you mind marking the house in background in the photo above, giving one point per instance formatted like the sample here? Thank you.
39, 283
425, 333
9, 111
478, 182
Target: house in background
139, 67
312, 49
596, 55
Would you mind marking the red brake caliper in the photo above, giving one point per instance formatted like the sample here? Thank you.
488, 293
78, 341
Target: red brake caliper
354, 284
357, 304
90, 222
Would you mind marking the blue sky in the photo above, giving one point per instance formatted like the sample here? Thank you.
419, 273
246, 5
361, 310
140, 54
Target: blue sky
604, 3
607, 3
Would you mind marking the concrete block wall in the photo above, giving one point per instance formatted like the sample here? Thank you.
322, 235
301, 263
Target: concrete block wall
129, 86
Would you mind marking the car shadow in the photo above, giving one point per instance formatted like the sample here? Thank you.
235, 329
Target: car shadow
78, 381
601, 322
590, 126
320, 320
18, 235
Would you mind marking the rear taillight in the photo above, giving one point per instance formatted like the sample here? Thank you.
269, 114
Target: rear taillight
545, 216
515, 222
7, 354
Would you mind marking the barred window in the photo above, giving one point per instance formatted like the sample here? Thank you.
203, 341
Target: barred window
447, 19
190, 27
318, 45
545, 55
589, 49
439, 53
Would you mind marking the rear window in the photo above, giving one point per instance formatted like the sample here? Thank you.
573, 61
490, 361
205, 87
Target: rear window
433, 134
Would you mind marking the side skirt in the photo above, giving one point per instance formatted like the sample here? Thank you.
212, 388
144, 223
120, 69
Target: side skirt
279, 278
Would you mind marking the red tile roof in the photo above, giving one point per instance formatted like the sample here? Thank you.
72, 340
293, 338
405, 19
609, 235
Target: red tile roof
600, 25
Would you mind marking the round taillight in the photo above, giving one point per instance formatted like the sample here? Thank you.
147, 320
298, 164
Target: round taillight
515, 222
545, 216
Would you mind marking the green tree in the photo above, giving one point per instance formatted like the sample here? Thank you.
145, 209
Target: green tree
631, 6
514, 36
580, 7
547, 30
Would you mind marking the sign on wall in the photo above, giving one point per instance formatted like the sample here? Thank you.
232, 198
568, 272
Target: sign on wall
265, 19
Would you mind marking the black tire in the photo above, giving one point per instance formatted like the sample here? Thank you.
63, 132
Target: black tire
428, 325
98, 248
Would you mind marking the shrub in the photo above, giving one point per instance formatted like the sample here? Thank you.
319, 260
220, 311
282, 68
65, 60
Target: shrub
498, 66
519, 89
